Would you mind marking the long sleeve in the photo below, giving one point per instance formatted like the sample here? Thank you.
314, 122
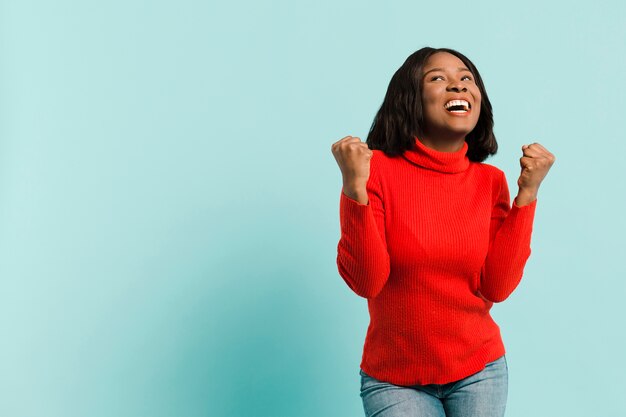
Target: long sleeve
509, 246
362, 257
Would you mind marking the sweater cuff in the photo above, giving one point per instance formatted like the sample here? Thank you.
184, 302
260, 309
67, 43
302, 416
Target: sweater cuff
529, 206
352, 213
347, 200
525, 214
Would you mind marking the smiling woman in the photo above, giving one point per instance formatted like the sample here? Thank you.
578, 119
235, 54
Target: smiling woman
430, 239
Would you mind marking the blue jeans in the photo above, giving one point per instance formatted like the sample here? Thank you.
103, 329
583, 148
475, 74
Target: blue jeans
482, 394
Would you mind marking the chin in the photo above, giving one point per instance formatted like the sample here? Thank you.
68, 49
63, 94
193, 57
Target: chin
460, 131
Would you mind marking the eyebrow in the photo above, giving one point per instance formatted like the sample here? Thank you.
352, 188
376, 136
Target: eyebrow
441, 69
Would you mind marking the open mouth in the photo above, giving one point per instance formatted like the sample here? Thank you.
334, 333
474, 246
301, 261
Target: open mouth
458, 106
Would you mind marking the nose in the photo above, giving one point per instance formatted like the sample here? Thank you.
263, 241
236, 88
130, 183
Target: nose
456, 86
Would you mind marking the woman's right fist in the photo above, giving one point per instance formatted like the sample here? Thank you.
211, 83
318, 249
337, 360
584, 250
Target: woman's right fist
353, 158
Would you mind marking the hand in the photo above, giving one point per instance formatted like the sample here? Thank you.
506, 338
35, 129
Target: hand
353, 158
535, 164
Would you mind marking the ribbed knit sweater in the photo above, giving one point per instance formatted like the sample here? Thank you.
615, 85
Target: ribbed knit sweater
435, 246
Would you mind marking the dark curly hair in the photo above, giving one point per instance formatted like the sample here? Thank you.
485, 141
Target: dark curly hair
401, 118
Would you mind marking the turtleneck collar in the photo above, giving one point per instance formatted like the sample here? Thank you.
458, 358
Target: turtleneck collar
449, 162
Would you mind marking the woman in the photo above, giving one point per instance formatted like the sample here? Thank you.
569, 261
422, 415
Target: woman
429, 237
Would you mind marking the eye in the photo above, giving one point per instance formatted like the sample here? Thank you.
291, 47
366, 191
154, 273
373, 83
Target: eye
441, 76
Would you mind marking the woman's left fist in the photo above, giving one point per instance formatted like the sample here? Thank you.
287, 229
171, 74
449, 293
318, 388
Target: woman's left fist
535, 164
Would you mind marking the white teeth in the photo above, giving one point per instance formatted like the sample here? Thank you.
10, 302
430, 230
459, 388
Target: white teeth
457, 103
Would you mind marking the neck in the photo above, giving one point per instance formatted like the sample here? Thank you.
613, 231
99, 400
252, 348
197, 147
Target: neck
441, 161
448, 143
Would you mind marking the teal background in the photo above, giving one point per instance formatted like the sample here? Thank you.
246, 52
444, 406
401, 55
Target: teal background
169, 201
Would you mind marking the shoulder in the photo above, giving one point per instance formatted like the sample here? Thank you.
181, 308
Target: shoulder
381, 161
492, 178
379, 156
383, 165
383, 168
491, 171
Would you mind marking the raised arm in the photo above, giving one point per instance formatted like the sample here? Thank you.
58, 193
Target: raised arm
362, 258
509, 246
511, 228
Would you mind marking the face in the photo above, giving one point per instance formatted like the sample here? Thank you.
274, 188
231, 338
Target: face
450, 97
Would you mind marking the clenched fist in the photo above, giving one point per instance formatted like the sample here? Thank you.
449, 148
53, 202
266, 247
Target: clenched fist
535, 164
353, 158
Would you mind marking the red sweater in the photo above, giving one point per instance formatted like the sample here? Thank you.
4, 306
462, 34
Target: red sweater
437, 244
